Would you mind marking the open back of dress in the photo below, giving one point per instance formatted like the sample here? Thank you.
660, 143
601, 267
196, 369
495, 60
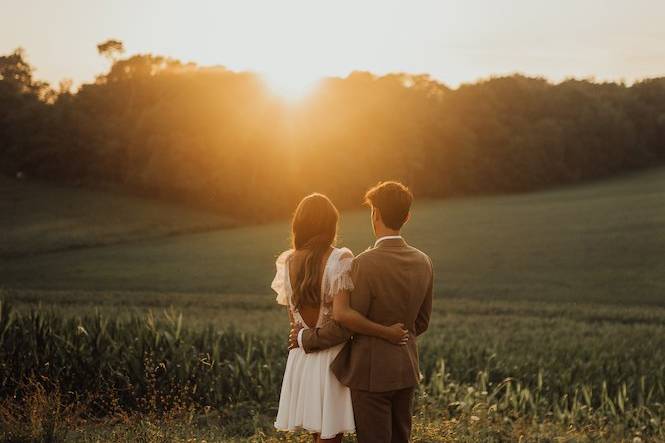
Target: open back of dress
335, 277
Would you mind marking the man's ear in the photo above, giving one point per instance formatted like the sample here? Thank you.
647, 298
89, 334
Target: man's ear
376, 214
408, 217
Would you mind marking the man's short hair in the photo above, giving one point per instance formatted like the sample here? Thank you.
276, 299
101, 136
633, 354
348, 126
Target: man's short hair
393, 200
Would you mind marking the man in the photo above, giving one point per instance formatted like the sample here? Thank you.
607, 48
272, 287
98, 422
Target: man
392, 284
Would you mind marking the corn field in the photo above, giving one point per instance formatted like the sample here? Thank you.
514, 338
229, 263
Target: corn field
143, 363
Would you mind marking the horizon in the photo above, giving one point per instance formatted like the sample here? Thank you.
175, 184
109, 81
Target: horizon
453, 43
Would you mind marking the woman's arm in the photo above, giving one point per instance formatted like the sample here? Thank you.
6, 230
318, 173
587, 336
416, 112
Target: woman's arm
293, 343
353, 320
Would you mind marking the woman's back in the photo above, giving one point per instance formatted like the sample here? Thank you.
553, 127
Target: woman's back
309, 313
334, 276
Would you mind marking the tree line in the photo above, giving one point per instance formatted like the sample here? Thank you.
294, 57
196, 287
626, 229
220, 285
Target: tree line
217, 138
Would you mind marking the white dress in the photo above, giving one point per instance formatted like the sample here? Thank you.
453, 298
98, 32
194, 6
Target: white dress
312, 398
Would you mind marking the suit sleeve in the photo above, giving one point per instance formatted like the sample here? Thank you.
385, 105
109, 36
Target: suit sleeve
361, 296
425, 312
318, 339
332, 333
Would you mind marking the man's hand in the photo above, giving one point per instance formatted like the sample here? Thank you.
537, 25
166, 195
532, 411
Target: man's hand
293, 335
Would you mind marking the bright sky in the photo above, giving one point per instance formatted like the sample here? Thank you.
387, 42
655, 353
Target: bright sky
295, 42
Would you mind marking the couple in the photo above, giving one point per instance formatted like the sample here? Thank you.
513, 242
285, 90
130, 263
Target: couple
353, 361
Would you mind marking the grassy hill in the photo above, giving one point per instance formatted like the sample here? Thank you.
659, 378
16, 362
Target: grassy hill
38, 218
601, 242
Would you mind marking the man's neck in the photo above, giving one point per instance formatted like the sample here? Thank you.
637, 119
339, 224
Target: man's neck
386, 237
383, 233
386, 233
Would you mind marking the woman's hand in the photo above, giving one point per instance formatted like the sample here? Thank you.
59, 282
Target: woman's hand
396, 334
293, 335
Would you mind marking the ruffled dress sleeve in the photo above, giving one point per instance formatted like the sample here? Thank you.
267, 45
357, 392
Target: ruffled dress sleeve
340, 274
280, 282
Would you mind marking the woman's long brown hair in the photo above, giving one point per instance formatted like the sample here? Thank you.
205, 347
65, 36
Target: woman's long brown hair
314, 229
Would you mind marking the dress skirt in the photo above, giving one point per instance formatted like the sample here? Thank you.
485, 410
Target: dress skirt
312, 399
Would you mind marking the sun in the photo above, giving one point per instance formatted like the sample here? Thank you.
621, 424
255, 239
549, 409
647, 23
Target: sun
290, 85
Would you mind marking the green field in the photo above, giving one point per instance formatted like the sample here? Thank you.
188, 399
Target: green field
601, 242
551, 303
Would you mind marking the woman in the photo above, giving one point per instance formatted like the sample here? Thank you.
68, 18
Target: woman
310, 278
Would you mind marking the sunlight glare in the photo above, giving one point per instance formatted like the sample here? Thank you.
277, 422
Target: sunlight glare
290, 85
